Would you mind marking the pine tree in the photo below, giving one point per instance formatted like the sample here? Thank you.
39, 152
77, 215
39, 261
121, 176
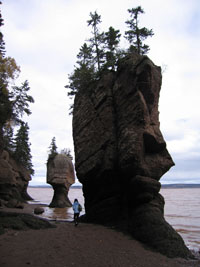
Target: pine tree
52, 149
67, 151
5, 105
85, 56
83, 73
137, 35
20, 101
8, 141
102, 52
12, 101
97, 40
111, 39
22, 152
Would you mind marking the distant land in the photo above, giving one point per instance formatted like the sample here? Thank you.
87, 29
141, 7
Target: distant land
162, 186
49, 186
180, 186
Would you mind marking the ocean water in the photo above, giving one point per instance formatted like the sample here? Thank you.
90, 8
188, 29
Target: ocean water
182, 210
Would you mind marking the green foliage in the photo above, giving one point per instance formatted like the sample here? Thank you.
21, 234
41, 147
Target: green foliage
97, 39
8, 138
14, 100
99, 55
112, 39
20, 101
85, 56
8, 72
83, 73
67, 151
102, 52
22, 152
52, 149
14, 103
137, 35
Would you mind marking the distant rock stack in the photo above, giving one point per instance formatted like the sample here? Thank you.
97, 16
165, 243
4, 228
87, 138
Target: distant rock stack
60, 174
14, 179
121, 155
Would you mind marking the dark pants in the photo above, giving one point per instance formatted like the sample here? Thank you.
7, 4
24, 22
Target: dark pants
76, 216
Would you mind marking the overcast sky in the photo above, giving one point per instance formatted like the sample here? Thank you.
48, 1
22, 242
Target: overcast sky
44, 37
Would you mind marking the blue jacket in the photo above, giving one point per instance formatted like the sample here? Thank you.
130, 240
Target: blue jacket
75, 207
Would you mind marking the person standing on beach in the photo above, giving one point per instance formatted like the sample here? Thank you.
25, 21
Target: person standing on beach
77, 209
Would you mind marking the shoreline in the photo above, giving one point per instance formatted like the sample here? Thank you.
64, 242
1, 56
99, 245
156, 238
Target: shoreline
85, 245
175, 185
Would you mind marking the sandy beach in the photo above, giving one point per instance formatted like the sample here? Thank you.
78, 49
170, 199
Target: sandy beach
86, 245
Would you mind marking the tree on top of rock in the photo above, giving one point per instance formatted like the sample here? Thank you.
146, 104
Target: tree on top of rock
111, 39
67, 152
52, 149
97, 40
101, 52
137, 35
84, 71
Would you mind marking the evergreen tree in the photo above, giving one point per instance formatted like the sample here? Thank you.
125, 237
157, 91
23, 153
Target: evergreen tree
112, 39
8, 141
20, 101
22, 152
97, 40
52, 149
83, 73
14, 100
67, 151
8, 72
103, 52
137, 35
85, 56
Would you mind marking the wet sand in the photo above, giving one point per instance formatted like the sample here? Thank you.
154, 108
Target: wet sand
86, 245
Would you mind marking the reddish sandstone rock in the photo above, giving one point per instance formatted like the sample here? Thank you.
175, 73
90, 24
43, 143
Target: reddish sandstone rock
60, 174
14, 179
121, 155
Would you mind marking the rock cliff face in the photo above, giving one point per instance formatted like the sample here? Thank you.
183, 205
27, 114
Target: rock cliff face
120, 154
60, 174
14, 180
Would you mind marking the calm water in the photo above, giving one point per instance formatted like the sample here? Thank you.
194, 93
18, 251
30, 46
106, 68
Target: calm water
182, 210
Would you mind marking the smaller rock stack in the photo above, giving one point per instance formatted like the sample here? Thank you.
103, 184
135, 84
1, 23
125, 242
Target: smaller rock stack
60, 175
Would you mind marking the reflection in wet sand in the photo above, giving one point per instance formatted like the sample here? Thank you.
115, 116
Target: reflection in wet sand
59, 214
64, 214
43, 197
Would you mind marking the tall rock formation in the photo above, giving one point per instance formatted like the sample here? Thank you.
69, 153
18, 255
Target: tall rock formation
14, 179
120, 154
60, 174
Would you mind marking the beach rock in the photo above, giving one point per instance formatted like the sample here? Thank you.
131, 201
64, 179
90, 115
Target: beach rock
14, 179
60, 174
121, 155
38, 210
